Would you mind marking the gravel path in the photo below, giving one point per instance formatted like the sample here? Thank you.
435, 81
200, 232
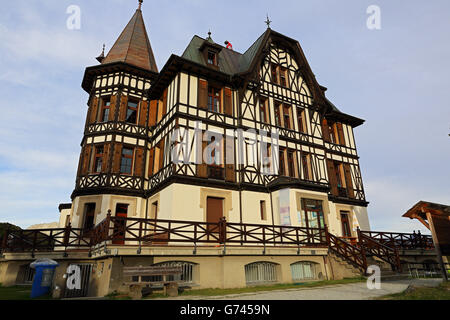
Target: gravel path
353, 291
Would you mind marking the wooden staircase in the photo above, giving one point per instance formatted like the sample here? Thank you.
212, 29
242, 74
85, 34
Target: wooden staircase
368, 251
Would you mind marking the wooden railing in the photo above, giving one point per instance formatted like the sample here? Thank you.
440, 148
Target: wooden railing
44, 240
402, 241
144, 232
352, 254
374, 248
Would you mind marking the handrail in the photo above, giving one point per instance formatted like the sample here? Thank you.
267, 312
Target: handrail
402, 241
151, 231
352, 254
378, 249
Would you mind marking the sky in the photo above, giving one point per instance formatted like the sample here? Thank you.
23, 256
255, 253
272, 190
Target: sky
396, 78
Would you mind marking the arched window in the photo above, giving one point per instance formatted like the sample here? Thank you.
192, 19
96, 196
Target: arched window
186, 277
304, 271
260, 273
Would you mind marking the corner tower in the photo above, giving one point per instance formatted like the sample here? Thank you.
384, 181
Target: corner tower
112, 167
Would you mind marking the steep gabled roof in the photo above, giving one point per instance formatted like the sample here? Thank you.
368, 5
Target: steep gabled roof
235, 65
133, 46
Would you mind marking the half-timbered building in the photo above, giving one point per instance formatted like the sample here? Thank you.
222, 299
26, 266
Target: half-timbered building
233, 165
138, 117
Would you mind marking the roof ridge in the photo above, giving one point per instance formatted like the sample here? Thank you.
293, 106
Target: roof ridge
131, 37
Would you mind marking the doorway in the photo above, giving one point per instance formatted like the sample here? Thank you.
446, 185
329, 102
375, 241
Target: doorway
120, 224
214, 213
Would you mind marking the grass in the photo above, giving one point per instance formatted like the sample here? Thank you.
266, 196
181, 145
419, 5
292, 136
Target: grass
18, 293
221, 292
422, 293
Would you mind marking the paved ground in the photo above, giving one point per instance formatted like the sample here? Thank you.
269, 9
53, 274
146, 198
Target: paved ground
353, 291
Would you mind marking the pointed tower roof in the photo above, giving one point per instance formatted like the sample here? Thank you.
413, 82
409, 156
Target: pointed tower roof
133, 46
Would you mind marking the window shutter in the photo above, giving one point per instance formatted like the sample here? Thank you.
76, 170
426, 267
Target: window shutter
143, 113
86, 160
202, 169
117, 157
325, 131
228, 102
202, 94
230, 174
153, 113
151, 161
105, 160
340, 131
164, 102
139, 164
348, 180
123, 108
112, 108
94, 110
161, 155
332, 177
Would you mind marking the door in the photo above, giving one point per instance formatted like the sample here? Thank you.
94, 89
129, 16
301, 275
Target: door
214, 213
346, 231
120, 224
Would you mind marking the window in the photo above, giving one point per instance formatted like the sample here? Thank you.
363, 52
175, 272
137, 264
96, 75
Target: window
346, 231
306, 167
213, 99
132, 110
212, 58
333, 135
291, 163
260, 273
98, 160
106, 107
282, 171
303, 271
340, 178
313, 213
277, 114
126, 164
263, 110
283, 77
287, 116
274, 69
301, 120
262, 207
89, 216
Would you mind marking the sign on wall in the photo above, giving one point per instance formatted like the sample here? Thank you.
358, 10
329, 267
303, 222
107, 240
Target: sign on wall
284, 207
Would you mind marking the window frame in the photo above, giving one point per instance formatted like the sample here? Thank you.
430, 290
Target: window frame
98, 157
135, 109
106, 106
214, 94
127, 156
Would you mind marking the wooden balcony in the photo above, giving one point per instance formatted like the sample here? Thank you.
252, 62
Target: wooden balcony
146, 232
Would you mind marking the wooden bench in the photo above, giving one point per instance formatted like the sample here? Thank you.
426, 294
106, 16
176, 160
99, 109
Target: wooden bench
137, 283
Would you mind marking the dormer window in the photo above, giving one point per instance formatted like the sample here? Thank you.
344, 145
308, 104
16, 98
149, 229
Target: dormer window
212, 58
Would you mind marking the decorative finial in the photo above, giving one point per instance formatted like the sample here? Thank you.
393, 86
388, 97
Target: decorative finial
101, 57
268, 22
140, 4
209, 34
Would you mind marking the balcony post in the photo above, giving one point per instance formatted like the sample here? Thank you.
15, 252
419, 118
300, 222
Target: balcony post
223, 230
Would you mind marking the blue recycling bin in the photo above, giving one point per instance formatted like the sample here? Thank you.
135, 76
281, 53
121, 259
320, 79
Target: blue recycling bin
43, 277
